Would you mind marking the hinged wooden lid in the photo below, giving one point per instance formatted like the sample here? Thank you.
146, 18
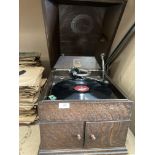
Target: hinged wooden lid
81, 28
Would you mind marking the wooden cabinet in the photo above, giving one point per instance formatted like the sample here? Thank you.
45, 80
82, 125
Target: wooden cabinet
83, 135
83, 126
90, 125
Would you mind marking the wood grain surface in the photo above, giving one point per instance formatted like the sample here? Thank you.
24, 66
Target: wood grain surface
105, 134
85, 111
62, 135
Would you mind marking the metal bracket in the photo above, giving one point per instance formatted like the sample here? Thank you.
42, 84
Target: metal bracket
120, 47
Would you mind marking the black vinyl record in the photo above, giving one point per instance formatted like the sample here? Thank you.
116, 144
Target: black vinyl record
81, 89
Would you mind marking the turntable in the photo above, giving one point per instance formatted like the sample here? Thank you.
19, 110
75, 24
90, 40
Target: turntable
81, 87
81, 110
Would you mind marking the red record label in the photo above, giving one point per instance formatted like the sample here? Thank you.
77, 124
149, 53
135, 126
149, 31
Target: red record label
81, 88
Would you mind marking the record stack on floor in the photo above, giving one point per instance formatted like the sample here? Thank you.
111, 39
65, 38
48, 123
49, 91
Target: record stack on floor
29, 59
30, 83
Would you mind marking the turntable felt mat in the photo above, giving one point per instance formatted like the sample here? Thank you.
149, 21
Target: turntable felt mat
29, 140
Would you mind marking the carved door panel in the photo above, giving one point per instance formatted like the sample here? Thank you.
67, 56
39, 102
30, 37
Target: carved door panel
105, 134
62, 135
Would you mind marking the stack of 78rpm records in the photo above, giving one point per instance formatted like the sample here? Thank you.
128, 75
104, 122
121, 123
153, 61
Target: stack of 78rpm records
30, 83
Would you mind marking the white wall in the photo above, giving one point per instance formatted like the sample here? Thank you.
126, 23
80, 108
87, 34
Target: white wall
122, 72
127, 21
32, 31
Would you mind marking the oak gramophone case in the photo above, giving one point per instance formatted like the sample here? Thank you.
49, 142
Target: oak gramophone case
81, 110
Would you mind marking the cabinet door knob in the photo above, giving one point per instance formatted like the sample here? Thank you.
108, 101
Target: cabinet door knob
78, 136
93, 137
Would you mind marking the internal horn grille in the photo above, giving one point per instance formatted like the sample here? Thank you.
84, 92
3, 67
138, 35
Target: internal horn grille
81, 29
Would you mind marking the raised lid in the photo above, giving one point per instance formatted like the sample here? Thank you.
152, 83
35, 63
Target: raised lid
80, 27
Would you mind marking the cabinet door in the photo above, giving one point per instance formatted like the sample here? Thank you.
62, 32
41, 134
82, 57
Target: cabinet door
61, 135
105, 134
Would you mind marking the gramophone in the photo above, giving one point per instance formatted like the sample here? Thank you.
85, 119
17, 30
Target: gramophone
81, 110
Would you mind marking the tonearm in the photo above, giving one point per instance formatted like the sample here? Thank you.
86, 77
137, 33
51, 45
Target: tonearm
103, 69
